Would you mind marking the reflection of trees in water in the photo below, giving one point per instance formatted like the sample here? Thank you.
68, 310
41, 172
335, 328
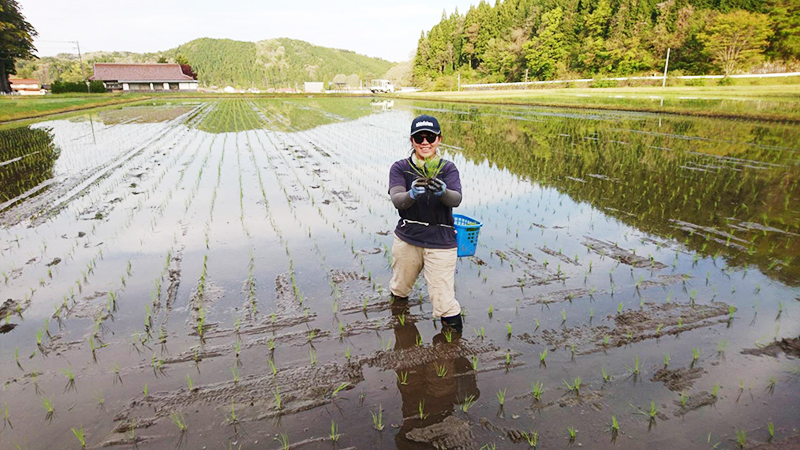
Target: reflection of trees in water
439, 394
27, 157
648, 174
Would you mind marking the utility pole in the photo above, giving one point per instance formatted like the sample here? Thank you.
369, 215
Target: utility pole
666, 65
459, 83
83, 74
526, 75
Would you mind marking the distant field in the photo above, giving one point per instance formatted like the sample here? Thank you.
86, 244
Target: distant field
775, 102
13, 107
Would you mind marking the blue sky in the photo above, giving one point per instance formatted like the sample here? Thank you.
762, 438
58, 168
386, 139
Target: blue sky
385, 29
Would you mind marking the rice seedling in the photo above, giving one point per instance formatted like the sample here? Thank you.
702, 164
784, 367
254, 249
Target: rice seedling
563, 316
572, 433
448, 334
179, 420
283, 439
575, 386
146, 391
418, 340
619, 308
343, 385
508, 358
684, 398
49, 409
741, 438
402, 377
80, 435
231, 418
537, 389
474, 362
532, 438
771, 385
421, 408
312, 356
606, 376
636, 368
491, 310
666, 359
614, 425
771, 430
480, 333
695, 353
277, 395
190, 382
377, 419
543, 357
70, 386
441, 370
6, 417
467, 403
334, 435
501, 396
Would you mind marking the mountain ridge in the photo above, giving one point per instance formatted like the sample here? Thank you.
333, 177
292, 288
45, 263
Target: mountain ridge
268, 63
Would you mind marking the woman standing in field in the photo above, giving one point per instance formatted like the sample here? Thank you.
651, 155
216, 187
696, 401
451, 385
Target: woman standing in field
425, 188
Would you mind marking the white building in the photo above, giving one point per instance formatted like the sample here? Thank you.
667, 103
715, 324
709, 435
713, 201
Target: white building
313, 86
143, 77
25, 86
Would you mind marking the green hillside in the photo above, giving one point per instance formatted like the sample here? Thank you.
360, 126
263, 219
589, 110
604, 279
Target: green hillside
272, 63
515, 40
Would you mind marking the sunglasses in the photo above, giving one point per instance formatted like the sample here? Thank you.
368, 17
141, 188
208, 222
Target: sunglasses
421, 137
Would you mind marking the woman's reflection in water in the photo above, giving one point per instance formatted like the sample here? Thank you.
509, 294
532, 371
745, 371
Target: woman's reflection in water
439, 394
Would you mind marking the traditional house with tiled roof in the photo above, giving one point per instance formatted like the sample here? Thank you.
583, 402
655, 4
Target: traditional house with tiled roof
143, 77
25, 86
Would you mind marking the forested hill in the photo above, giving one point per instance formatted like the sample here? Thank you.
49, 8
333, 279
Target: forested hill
558, 39
273, 63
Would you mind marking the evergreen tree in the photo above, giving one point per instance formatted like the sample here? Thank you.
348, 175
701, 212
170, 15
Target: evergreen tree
16, 40
547, 50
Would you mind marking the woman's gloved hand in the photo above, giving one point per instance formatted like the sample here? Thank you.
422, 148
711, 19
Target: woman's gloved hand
416, 190
437, 186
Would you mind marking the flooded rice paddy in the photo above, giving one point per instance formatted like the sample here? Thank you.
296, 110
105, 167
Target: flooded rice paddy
214, 274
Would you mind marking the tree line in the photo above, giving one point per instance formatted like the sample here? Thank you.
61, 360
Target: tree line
563, 39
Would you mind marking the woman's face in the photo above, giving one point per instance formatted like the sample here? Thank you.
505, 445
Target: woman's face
429, 145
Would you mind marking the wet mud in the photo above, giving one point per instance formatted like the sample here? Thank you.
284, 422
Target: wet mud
450, 434
694, 402
654, 321
788, 347
514, 435
613, 251
680, 379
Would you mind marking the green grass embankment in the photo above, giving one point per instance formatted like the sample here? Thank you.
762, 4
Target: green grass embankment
19, 107
780, 102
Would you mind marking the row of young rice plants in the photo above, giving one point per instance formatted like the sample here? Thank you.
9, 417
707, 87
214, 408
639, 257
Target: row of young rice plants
303, 194
110, 246
635, 278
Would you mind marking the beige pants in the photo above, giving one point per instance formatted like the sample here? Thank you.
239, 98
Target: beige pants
439, 265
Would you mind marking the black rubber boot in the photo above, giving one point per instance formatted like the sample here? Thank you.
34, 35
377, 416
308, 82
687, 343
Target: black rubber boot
396, 298
454, 322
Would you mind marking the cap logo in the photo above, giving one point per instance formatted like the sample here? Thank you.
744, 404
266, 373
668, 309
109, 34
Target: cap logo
424, 123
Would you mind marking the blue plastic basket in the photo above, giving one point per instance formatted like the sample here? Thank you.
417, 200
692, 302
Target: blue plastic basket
467, 231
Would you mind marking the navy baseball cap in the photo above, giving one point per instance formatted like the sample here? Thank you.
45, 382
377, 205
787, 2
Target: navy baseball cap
425, 123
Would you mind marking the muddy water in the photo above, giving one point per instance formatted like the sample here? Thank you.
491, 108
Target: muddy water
194, 261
